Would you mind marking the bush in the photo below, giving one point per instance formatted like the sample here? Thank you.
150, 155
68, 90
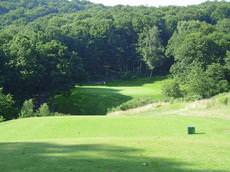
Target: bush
193, 98
172, 89
1, 118
216, 73
44, 110
206, 83
135, 103
27, 109
224, 100
198, 83
7, 110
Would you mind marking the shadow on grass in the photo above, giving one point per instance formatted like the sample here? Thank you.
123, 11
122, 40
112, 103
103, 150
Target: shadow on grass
97, 99
89, 101
136, 82
199, 133
46, 157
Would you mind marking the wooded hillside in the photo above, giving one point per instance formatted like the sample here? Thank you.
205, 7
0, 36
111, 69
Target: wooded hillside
47, 46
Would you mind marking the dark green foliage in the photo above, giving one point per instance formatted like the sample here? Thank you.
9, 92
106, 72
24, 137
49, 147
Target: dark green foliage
47, 46
172, 89
7, 110
207, 83
201, 58
198, 83
216, 73
24, 11
227, 65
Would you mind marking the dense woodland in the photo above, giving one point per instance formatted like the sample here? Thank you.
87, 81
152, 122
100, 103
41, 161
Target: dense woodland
47, 46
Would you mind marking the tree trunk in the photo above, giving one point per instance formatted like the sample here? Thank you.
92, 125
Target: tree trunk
151, 74
140, 67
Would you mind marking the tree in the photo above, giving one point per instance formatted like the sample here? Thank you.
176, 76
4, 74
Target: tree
150, 48
47, 46
227, 61
206, 83
217, 75
44, 110
172, 89
27, 109
224, 25
198, 84
7, 109
227, 65
21, 66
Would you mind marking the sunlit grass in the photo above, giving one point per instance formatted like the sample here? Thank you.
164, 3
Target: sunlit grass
101, 99
118, 144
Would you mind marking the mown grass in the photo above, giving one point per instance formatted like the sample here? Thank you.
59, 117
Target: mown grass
101, 99
116, 144
155, 140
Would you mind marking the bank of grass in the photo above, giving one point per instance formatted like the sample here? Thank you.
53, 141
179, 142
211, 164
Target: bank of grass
117, 144
149, 140
215, 107
116, 95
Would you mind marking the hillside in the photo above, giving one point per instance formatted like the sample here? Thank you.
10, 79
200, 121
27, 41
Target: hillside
24, 11
47, 47
215, 107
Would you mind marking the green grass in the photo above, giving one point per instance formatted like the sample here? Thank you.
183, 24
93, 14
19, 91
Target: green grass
215, 107
115, 144
151, 140
100, 99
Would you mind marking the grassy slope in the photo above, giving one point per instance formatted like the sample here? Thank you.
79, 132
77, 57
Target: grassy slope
153, 140
99, 99
215, 107
116, 144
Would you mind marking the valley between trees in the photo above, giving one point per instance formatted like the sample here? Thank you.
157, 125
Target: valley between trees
113, 96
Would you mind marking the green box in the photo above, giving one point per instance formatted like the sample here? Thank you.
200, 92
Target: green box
191, 130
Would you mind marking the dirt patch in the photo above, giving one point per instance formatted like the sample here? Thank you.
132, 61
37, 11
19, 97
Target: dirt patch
145, 108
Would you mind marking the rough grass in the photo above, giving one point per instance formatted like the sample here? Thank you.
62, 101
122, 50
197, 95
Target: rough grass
215, 107
115, 144
101, 99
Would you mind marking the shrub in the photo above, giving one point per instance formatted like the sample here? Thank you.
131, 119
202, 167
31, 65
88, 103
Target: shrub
7, 110
216, 73
227, 63
1, 118
172, 89
135, 103
27, 109
224, 100
206, 83
44, 110
198, 83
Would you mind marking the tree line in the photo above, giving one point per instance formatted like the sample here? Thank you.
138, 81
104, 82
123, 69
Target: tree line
47, 46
